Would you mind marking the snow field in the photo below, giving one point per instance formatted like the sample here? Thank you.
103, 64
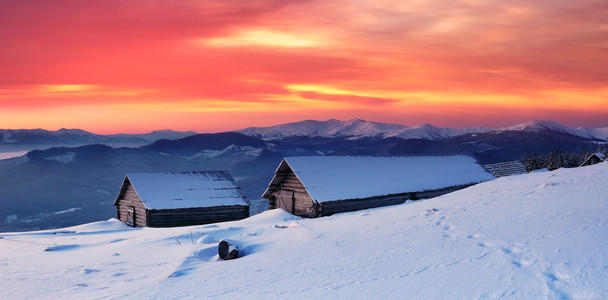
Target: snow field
533, 236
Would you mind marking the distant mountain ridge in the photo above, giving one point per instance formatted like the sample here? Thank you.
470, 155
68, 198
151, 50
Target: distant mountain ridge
68, 185
155, 135
357, 128
354, 129
33, 138
333, 128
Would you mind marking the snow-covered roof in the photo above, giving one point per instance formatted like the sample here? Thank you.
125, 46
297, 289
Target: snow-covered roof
590, 160
507, 168
330, 178
600, 156
186, 189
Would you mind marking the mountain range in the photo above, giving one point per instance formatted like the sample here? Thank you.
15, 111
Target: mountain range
66, 185
29, 139
11, 139
357, 129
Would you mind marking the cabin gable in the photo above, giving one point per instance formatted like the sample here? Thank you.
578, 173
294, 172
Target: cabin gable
287, 192
129, 206
595, 158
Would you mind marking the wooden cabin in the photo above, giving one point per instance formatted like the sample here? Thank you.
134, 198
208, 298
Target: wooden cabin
593, 159
180, 199
507, 168
317, 186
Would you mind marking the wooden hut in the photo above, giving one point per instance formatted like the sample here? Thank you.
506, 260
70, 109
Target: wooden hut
507, 168
323, 185
180, 199
593, 159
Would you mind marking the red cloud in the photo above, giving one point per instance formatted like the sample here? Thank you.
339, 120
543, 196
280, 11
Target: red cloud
158, 52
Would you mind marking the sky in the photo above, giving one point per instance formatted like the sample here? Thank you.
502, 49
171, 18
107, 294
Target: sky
110, 66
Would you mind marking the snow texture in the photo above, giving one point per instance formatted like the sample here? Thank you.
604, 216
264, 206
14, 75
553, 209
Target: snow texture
531, 236
187, 189
330, 178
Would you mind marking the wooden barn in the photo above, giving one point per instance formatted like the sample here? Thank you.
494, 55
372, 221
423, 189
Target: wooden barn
317, 186
507, 168
593, 159
180, 199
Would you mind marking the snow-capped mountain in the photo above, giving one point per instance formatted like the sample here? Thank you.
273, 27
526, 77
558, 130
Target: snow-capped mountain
357, 128
430, 132
329, 128
541, 126
598, 133
354, 129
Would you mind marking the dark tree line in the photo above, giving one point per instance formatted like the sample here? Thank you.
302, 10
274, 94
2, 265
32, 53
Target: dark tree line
558, 159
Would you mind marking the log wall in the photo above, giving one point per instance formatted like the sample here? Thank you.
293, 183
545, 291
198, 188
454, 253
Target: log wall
332, 207
130, 198
196, 216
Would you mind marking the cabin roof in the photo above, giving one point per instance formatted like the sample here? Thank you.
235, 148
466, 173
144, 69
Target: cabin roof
185, 189
601, 156
331, 178
506, 168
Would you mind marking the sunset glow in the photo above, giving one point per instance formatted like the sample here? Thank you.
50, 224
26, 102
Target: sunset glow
135, 66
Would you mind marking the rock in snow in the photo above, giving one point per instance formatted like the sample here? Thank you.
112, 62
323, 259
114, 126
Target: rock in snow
533, 236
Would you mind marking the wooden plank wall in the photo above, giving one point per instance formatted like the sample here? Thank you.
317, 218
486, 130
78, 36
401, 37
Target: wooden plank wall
304, 205
332, 207
196, 216
439, 192
130, 198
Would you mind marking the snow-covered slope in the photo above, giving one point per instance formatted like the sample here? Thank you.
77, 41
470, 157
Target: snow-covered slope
599, 133
354, 128
533, 236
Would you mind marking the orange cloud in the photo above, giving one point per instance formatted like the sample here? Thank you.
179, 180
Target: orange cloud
292, 60
265, 38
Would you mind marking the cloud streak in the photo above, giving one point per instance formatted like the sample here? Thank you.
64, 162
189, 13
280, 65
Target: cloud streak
374, 59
